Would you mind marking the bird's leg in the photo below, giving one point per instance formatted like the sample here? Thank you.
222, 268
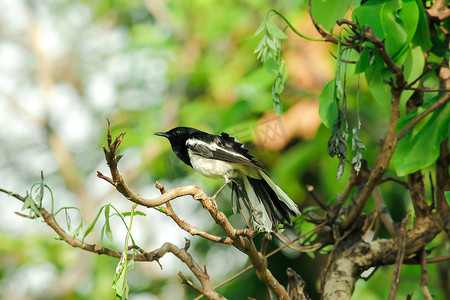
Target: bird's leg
227, 181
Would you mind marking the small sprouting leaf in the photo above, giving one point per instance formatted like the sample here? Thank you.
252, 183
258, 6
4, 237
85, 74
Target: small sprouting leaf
31, 205
160, 209
120, 284
139, 213
108, 231
260, 44
272, 43
27, 203
275, 30
261, 28
68, 221
78, 230
91, 226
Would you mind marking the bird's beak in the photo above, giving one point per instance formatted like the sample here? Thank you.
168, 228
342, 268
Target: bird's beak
164, 134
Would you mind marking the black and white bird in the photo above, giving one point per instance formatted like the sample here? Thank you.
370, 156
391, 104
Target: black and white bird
262, 204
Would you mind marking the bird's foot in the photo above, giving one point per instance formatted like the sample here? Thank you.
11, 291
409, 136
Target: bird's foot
213, 200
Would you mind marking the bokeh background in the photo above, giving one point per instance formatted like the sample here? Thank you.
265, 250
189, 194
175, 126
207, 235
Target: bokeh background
150, 65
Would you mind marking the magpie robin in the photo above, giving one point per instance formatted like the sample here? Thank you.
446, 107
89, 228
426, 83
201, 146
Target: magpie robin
262, 204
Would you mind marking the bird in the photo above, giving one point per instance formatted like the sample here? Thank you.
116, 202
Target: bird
262, 204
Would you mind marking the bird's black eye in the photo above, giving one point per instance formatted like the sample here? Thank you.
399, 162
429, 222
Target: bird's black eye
177, 132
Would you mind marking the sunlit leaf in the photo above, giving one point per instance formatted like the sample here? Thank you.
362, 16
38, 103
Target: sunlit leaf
326, 12
419, 150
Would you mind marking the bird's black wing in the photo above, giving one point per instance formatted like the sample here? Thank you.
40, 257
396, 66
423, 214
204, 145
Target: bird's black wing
224, 147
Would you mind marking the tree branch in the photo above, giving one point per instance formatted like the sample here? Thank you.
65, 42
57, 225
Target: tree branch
422, 115
155, 255
242, 239
328, 37
188, 227
401, 244
345, 270
424, 275
385, 216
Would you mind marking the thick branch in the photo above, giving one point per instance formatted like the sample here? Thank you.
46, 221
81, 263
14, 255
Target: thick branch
345, 270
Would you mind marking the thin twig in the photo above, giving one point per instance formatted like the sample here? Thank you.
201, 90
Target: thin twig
188, 227
426, 90
424, 275
189, 283
425, 72
385, 216
328, 37
394, 179
322, 205
422, 115
401, 249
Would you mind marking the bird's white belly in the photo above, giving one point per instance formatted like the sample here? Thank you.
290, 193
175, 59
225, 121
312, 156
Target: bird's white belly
212, 168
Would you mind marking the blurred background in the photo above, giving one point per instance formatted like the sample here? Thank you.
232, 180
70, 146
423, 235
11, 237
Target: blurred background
150, 65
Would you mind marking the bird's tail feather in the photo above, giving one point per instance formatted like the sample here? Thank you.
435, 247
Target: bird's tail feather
262, 203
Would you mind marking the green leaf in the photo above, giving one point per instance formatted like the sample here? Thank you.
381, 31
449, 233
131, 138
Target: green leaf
369, 14
271, 66
328, 110
418, 150
128, 213
30, 204
120, 284
380, 91
91, 226
365, 60
260, 44
396, 21
413, 68
326, 12
107, 224
274, 30
422, 36
261, 28
399, 24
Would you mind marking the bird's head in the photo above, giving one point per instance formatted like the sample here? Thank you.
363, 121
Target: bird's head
177, 133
